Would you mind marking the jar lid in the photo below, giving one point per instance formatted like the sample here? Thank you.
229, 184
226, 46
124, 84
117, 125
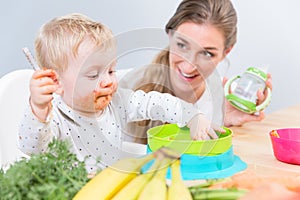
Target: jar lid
257, 72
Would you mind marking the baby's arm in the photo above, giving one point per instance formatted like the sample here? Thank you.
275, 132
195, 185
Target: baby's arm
167, 108
34, 131
34, 135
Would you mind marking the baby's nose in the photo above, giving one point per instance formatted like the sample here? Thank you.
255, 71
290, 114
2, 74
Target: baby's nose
106, 82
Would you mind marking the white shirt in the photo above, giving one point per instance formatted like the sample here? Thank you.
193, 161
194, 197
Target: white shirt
100, 138
211, 103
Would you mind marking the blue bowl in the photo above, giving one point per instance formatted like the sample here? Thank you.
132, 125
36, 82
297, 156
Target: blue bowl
195, 167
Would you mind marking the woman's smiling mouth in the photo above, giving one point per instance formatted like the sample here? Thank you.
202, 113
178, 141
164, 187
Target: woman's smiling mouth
187, 76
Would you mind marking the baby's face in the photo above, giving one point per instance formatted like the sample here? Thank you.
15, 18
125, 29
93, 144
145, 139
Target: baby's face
90, 81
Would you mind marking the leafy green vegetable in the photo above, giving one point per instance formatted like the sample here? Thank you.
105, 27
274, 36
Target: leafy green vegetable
56, 174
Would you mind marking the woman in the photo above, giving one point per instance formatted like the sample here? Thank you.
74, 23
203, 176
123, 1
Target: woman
201, 33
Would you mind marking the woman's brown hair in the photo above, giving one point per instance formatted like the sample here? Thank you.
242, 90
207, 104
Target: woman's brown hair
218, 13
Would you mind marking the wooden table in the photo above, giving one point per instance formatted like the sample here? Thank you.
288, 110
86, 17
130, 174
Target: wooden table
252, 143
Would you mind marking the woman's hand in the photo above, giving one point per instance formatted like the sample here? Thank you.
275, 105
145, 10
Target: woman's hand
235, 117
261, 95
42, 86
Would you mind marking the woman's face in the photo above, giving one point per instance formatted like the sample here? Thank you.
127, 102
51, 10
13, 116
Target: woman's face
195, 51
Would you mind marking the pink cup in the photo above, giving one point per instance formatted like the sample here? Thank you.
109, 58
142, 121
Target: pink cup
286, 147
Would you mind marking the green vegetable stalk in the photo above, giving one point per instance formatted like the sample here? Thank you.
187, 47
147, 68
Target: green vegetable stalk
56, 174
220, 194
203, 192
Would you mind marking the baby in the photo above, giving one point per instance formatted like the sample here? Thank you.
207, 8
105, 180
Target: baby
74, 96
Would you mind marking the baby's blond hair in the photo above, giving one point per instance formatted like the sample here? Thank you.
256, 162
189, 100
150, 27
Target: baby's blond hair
61, 37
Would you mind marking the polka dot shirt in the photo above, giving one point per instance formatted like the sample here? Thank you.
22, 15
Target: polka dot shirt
100, 138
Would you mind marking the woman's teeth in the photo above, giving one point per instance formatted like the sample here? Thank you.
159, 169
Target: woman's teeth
187, 75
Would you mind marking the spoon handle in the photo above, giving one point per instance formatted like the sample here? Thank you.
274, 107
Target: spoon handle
30, 58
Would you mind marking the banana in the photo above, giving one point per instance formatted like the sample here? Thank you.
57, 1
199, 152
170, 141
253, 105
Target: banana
132, 190
111, 179
177, 189
157, 187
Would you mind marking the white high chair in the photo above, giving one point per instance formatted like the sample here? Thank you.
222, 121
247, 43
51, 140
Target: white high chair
14, 92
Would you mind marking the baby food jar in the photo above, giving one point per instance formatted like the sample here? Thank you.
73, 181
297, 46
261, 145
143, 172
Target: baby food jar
244, 90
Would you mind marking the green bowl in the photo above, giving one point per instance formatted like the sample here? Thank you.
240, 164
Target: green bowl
170, 135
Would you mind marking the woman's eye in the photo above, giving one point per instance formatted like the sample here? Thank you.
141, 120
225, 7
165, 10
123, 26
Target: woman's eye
207, 54
181, 45
112, 72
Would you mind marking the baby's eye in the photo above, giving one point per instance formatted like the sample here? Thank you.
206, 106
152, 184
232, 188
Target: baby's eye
93, 76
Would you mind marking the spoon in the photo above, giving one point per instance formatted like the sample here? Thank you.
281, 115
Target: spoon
30, 58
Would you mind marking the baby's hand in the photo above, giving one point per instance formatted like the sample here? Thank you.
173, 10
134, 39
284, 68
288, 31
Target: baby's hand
42, 85
202, 129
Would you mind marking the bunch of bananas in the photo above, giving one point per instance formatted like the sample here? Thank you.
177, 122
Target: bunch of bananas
124, 180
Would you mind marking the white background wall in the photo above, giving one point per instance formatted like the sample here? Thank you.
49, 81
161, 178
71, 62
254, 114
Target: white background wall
268, 34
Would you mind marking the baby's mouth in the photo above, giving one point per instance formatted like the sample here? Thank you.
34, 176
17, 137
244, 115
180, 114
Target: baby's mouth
103, 97
99, 94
